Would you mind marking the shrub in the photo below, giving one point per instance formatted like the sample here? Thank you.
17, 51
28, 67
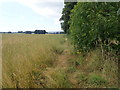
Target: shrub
94, 23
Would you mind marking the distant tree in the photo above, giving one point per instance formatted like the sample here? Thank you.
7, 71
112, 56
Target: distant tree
9, 32
20, 31
40, 31
28, 32
66, 15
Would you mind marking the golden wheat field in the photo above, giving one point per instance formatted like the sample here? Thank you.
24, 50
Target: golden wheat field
49, 61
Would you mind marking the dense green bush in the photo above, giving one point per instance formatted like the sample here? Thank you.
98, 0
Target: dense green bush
94, 23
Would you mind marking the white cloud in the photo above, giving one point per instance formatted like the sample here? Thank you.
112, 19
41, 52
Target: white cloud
46, 8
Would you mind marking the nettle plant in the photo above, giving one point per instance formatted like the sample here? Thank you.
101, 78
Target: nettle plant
94, 23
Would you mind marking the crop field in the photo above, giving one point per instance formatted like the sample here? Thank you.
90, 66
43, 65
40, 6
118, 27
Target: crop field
49, 61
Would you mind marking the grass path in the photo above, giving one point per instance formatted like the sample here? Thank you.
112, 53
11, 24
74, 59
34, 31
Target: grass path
62, 59
61, 63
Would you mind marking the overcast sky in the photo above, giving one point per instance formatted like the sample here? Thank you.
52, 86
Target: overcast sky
28, 15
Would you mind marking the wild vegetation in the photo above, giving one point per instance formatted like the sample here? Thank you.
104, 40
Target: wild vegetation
86, 58
49, 61
66, 16
26, 56
95, 24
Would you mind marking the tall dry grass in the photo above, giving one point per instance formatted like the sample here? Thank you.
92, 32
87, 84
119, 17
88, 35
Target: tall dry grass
26, 56
29, 62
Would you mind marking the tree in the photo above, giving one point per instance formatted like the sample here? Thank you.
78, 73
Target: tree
66, 15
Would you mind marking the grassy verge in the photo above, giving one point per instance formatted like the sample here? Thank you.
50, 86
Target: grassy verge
94, 70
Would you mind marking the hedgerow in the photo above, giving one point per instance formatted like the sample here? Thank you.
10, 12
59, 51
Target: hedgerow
93, 24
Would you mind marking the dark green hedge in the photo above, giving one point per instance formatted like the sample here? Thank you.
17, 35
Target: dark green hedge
92, 24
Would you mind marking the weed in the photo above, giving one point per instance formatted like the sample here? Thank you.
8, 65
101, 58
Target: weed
61, 79
71, 69
57, 50
97, 80
83, 77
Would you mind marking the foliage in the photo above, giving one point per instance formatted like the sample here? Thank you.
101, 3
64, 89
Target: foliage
57, 50
66, 15
82, 78
94, 23
97, 80
71, 69
61, 79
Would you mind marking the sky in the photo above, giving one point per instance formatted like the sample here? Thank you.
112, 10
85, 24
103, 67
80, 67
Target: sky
29, 15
